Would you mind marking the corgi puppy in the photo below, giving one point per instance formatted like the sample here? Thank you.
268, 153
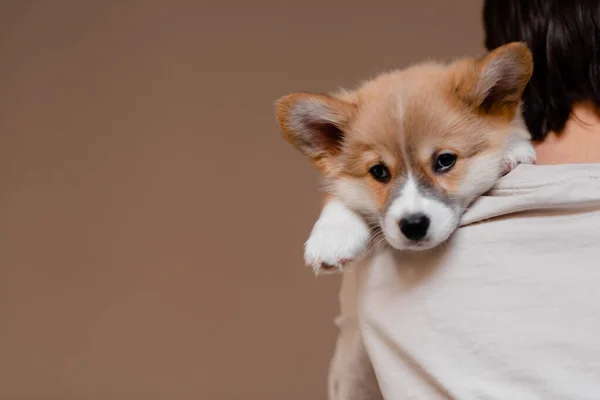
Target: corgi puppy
404, 154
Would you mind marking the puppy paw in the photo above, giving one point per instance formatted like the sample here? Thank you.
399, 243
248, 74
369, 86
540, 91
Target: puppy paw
519, 152
338, 237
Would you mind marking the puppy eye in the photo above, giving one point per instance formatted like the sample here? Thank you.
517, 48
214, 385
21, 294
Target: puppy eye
381, 173
444, 162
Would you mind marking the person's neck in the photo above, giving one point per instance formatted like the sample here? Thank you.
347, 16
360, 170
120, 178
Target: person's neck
579, 141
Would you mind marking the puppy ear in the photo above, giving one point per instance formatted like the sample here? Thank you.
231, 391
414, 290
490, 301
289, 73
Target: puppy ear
314, 123
498, 79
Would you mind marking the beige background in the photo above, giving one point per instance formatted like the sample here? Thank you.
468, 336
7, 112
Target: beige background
151, 216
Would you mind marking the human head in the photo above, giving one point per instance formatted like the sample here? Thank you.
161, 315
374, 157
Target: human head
564, 38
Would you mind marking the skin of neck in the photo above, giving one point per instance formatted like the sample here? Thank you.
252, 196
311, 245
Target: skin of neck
578, 142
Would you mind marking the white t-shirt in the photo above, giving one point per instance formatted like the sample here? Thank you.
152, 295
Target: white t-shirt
508, 310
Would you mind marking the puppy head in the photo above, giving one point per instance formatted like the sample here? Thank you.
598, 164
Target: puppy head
411, 149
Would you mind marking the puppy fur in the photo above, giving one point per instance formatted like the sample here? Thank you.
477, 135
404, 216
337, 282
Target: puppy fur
404, 123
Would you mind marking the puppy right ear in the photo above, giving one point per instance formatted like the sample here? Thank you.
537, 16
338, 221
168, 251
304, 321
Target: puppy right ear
495, 83
314, 123
504, 73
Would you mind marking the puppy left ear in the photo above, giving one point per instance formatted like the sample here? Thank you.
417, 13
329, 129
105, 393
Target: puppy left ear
314, 123
500, 79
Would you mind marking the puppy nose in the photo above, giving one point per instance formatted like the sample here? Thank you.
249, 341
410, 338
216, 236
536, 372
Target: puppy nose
414, 226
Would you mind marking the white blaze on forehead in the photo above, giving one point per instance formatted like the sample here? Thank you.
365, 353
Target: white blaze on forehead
399, 108
400, 115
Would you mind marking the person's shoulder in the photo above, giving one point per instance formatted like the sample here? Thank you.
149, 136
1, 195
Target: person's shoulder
531, 188
526, 177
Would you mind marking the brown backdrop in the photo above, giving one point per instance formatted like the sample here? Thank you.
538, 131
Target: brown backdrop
151, 217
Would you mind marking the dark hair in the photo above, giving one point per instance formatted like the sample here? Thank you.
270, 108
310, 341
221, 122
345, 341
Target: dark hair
564, 38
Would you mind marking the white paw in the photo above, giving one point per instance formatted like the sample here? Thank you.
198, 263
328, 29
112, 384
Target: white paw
519, 152
338, 237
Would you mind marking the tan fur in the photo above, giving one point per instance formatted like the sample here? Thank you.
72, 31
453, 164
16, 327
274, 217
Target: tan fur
405, 118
